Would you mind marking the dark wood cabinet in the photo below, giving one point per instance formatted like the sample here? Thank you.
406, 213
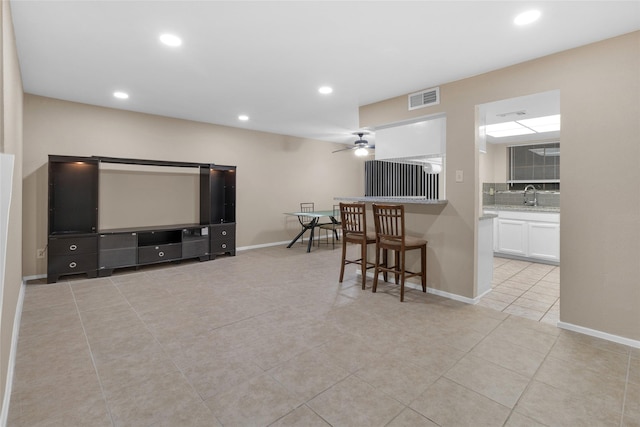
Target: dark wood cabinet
117, 250
223, 239
217, 194
73, 195
72, 254
76, 245
195, 243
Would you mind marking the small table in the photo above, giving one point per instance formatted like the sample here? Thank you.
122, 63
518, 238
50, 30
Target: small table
315, 217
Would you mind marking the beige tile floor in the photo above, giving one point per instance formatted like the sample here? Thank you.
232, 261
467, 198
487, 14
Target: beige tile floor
525, 289
269, 337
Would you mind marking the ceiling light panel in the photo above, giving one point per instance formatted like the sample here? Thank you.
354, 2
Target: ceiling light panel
543, 124
325, 90
120, 95
500, 130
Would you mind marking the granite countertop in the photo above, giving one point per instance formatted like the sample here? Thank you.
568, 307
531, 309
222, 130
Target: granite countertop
400, 200
522, 208
488, 216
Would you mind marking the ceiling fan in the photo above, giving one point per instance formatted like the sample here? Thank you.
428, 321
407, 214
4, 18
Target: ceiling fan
361, 145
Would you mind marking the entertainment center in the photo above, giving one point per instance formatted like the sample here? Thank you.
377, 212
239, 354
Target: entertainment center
76, 244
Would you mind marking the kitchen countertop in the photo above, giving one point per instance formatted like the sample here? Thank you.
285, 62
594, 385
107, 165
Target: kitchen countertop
521, 208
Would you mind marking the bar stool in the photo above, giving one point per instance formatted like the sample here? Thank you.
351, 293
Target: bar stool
390, 235
354, 230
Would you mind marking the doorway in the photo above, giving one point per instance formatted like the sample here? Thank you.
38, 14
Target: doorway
519, 183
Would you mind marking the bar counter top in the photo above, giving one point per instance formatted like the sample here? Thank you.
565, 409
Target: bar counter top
395, 200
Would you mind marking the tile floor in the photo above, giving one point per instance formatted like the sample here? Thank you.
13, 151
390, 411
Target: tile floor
525, 289
270, 338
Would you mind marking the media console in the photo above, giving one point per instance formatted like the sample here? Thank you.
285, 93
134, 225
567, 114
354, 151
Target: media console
76, 245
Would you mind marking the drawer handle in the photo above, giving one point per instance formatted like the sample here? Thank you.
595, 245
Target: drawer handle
73, 247
73, 264
224, 232
224, 246
160, 254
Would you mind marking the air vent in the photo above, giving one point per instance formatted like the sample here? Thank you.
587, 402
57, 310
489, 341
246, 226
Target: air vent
424, 98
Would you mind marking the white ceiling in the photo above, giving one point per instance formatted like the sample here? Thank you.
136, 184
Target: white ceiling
267, 59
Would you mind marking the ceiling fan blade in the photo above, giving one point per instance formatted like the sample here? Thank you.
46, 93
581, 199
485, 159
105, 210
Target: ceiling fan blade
343, 149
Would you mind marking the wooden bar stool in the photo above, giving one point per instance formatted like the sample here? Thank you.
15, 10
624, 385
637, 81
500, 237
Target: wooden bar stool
354, 230
390, 235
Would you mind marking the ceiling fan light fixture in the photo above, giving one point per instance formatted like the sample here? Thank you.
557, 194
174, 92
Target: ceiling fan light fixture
361, 152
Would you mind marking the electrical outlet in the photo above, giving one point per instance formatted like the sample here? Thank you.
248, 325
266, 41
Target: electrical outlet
40, 253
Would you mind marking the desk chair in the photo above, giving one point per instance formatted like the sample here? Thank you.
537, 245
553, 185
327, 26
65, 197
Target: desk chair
332, 226
354, 230
390, 235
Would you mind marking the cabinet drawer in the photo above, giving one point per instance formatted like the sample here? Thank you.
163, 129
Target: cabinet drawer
159, 253
72, 245
223, 231
69, 264
118, 241
195, 248
113, 258
222, 245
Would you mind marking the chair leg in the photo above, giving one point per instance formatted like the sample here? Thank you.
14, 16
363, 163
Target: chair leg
424, 268
363, 262
397, 260
402, 275
385, 274
376, 270
344, 257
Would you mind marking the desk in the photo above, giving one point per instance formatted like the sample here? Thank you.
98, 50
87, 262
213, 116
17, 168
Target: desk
315, 217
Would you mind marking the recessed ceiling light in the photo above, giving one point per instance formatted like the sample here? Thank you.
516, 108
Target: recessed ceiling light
243, 117
121, 95
527, 17
325, 90
170, 40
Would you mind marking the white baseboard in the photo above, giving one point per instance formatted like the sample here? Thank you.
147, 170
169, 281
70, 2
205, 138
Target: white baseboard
12, 357
263, 245
438, 292
35, 277
599, 334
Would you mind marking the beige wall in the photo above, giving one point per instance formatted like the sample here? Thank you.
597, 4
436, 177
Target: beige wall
275, 172
10, 143
600, 229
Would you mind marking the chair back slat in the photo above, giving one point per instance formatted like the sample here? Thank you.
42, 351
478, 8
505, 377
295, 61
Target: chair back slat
353, 218
389, 222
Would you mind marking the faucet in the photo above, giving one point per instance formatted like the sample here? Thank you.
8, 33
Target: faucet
533, 202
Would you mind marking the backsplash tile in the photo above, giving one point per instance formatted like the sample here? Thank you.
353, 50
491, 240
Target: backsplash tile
499, 194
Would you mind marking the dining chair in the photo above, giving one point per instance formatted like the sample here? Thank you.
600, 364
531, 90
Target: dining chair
391, 235
306, 220
332, 227
354, 230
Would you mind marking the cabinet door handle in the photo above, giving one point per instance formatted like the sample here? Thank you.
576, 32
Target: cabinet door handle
73, 264
73, 247
224, 246
224, 232
160, 254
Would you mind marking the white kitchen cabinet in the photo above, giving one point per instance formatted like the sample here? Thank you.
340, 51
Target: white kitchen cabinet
512, 236
544, 241
529, 235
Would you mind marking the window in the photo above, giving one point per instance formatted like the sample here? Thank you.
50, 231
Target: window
539, 163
